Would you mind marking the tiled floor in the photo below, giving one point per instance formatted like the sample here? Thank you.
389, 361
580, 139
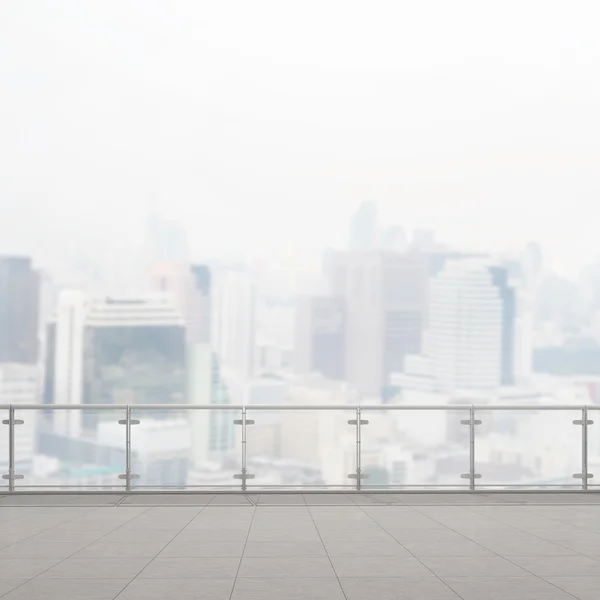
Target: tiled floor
301, 547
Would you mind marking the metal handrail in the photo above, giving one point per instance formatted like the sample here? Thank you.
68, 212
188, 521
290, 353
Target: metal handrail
357, 421
342, 407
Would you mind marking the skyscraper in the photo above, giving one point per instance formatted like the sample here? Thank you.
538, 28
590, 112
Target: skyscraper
212, 431
19, 310
471, 326
385, 297
115, 351
320, 344
234, 320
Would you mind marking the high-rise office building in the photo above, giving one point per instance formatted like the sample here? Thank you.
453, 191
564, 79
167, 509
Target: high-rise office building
212, 431
191, 288
471, 326
385, 297
320, 344
234, 301
19, 310
115, 351
508, 303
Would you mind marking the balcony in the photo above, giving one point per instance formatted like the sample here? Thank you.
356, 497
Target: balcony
325, 546
250, 502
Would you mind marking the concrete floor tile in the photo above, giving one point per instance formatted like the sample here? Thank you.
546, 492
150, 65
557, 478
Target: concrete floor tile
231, 500
559, 566
473, 566
327, 499
289, 588
32, 549
24, 568
505, 588
297, 566
59, 535
283, 549
123, 550
178, 589
525, 548
283, 522
96, 568
141, 536
378, 566
584, 588
387, 548
177, 549
68, 589
461, 548
284, 535
401, 588
6, 585
279, 499
210, 535
354, 535
191, 568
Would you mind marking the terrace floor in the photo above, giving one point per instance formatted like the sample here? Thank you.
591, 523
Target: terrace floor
328, 546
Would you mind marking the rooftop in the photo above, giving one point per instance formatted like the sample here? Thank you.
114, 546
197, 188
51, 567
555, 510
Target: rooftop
329, 546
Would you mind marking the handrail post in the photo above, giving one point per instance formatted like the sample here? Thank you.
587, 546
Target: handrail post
357, 422
585, 475
584, 450
128, 476
244, 449
11, 448
471, 422
128, 448
11, 476
358, 450
472, 448
244, 422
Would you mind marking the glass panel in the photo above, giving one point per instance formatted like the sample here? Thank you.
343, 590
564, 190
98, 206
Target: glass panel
415, 448
180, 449
69, 449
296, 448
3, 448
528, 447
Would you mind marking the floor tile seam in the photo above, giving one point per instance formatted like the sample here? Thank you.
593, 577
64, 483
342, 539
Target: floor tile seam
153, 559
562, 589
243, 552
413, 555
327, 553
70, 555
504, 557
541, 539
50, 528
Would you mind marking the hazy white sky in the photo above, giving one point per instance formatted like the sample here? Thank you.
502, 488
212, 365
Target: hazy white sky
262, 124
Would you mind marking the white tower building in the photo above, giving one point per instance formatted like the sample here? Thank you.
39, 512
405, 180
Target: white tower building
234, 321
465, 327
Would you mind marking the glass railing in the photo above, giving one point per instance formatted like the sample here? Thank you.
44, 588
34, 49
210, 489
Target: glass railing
298, 447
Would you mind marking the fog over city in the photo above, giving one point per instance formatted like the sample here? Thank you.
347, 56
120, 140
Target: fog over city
354, 206
263, 125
